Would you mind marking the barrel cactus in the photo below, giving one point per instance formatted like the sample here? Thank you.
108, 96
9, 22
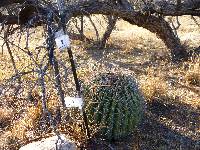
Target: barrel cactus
114, 105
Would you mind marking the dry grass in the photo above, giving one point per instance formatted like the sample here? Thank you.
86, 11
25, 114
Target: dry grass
153, 87
172, 91
5, 116
192, 76
22, 126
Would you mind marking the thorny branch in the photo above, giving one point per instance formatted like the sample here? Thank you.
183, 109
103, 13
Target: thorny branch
41, 76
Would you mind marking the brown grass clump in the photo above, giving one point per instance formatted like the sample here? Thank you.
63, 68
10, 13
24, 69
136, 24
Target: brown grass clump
53, 102
153, 87
192, 76
5, 139
5, 116
27, 122
30, 118
154, 84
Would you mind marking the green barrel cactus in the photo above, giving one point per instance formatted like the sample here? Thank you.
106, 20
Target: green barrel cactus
114, 105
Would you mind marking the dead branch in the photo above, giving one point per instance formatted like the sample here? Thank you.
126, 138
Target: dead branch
6, 35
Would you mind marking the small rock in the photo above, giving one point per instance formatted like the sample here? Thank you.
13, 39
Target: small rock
51, 143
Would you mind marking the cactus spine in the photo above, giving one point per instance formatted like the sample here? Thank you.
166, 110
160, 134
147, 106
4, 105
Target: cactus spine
114, 104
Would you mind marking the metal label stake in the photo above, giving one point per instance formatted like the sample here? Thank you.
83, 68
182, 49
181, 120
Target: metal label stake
66, 44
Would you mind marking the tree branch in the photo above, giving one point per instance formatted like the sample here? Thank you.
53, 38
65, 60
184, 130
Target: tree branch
152, 23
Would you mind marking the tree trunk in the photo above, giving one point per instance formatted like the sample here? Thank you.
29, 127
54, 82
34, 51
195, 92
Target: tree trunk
111, 24
163, 30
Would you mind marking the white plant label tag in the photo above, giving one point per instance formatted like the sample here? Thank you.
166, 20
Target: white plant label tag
74, 102
62, 40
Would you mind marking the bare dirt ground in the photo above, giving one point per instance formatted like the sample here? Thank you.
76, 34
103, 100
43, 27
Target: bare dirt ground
172, 91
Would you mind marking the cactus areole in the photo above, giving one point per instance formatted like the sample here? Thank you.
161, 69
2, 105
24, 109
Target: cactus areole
114, 105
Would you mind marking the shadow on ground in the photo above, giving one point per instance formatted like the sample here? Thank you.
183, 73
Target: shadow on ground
178, 131
170, 126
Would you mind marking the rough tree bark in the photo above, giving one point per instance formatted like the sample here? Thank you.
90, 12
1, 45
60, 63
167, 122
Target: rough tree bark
163, 31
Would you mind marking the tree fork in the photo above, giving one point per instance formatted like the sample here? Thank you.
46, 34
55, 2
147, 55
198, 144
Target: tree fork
111, 24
